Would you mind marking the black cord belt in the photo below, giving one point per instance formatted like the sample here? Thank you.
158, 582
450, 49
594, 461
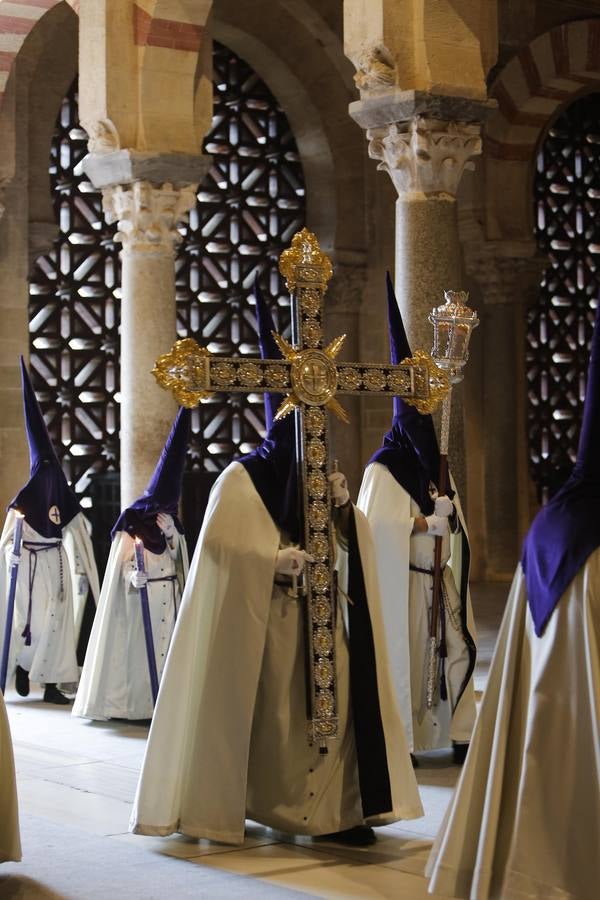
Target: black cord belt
425, 571
35, 547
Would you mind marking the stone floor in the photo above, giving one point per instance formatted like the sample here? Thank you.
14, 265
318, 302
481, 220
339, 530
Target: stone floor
76, 783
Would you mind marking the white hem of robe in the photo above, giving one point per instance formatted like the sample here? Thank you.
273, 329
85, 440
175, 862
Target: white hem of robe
202, 725
525, 818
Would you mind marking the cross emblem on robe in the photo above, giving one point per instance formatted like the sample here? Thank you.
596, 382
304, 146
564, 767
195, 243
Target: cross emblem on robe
312, 380
54, 515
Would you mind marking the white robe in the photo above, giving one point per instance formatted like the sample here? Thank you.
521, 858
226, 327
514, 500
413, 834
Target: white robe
406, 603
77, 542
524, 821
115, 681
51, 656
229, 732
10, 842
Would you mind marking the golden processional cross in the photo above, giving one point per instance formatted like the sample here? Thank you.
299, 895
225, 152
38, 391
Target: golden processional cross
311, 378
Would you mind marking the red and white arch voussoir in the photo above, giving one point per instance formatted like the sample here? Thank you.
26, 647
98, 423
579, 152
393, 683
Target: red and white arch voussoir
156, 23
544, 76
17, 19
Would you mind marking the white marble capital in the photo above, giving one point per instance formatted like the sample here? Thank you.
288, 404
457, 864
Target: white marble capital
147, 215
424, 156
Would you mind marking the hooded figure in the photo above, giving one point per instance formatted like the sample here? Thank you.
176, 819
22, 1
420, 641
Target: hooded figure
115, 682
229, 736
533, 768
399, 497
57, 571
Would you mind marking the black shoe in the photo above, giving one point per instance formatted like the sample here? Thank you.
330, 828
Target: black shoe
22, 682
459, 753
361, 836
53, 695
414, 761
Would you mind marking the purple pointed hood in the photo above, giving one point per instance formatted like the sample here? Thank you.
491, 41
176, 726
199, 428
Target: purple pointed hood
163, 491
410, 450
567, 530
272, 466
46, 501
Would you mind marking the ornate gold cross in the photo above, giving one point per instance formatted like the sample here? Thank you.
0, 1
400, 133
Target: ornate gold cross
311, 378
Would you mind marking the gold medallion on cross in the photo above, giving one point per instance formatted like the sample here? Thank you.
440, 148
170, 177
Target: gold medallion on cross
311, 378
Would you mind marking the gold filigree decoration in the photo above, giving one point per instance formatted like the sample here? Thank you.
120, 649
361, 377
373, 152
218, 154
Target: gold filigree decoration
185, 362
317, 515
276, 377
310, 301
305, 253
320, 577
313, 376
320, 611
349, 379
399, 382
430, 381
316, 453
250, 375
319, 547
374, 379
324, 704
314, 419
323, 728
317, 484
224, 373
312, 333
323, 673
323, 641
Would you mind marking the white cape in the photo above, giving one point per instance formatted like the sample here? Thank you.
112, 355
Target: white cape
51, 656
195, 776
10, 843
406, 598
115, 682
77, 542
525, 819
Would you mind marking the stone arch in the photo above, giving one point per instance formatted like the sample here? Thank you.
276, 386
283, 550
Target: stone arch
544, 76
16, 25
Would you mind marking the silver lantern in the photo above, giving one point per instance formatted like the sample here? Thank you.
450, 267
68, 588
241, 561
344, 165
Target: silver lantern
453, 323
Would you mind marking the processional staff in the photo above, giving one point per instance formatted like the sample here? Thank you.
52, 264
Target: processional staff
10, 602
311, 378
453, 323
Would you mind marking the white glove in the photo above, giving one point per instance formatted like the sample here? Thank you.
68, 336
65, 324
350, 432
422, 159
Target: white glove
339, 489
166, 524
13, 560
443, 506
291, 560
138, 579
437, 525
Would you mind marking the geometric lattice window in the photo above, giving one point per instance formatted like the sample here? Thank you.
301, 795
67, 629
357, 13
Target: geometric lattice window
249, 205
567, 207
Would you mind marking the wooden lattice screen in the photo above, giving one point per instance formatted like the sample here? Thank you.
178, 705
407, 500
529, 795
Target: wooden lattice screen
249, 206
567, 210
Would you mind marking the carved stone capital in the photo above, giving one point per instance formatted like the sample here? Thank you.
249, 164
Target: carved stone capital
425, 156
506, 274
148, 215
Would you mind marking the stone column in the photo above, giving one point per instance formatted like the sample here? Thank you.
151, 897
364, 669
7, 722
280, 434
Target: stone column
509, 277
342, 316
425, 143
148, 211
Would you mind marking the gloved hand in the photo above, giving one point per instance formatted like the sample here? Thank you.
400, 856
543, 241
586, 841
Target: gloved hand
339, 489
291, 560
166, 524
437, 525
13, 560
443, 506
138, 579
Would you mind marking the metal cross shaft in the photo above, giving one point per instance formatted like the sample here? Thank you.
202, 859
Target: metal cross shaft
310, 377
